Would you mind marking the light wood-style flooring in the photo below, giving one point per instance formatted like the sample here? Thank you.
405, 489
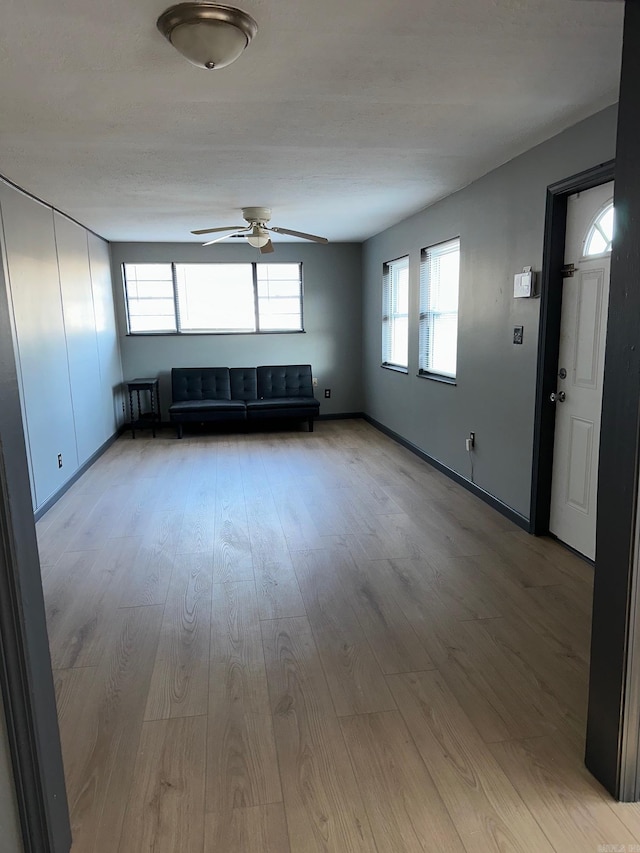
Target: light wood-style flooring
287, 642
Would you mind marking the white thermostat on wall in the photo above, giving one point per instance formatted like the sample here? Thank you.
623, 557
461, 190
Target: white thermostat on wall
523, 283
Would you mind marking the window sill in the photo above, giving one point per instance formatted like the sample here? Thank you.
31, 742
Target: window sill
190, 334
395, 368
438, 377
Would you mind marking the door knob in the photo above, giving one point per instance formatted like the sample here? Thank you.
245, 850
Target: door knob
558, 397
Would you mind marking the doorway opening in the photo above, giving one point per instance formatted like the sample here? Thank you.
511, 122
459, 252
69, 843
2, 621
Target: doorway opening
549, 341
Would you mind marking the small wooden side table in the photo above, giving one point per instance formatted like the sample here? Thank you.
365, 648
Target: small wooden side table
149, 418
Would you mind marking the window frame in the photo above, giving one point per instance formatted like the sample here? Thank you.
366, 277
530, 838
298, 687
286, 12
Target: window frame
176, 304
425, 314
389, 269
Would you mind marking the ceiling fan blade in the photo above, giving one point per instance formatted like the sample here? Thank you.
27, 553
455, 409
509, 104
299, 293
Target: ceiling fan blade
224, 237
213, 230
267, 248
304, 236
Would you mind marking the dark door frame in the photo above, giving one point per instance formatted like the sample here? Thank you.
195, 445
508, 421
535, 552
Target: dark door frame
26, 679
549, 335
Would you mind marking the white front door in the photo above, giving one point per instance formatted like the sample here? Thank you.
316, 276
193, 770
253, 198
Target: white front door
583, 333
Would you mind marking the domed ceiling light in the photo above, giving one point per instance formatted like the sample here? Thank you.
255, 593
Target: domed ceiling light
207, 34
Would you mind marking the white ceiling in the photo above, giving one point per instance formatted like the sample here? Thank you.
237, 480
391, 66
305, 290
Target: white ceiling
344, 116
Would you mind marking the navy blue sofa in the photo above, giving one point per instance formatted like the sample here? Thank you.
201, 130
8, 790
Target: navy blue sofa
213, 394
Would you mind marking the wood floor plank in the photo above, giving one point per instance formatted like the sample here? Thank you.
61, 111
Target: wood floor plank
201, 493
268, 542
72, 687
402, 802
501, 704
238, 673
355, 680
69, 570
242, 768
79, 635
561, 605
323, 804
166, 802
326, 502
54, 538
197, 532
232, 556
180, 681
569, 805
553, 674
277, 588
299, 528
395, 644
455, 581
486, 809
101, 523
258, 829
148, 582
535, 570
566, 625
138, 503
386, 541
106, 731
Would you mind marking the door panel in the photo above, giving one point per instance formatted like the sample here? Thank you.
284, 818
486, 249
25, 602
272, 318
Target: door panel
579, 468
583, 333
588, 329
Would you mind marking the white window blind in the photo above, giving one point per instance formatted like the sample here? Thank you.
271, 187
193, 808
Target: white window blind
438, 333
395, 313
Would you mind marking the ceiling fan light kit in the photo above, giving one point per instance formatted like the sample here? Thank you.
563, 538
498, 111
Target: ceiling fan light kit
257, 231
209, 35
258, 238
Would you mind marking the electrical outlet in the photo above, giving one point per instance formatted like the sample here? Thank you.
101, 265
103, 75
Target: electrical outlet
470, 442
59, 460
472, 437
518, 334
314, 382
327, 392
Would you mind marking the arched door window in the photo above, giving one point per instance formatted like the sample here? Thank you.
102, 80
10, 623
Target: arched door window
600, 234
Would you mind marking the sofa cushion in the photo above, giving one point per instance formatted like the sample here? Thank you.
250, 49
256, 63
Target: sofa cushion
284, 380
200, 383
193, 406
284, 403
244, 383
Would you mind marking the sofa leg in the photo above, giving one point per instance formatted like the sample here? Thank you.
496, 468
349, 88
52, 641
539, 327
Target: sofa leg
310, 424
179, 428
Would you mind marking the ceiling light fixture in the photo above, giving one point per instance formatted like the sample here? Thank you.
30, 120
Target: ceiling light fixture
207, 34
258, 238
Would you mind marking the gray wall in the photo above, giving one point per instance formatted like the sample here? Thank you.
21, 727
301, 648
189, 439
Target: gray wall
332, 342
500, 222
65, 337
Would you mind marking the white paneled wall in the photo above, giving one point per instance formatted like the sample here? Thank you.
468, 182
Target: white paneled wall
66, 345
80, 334
106, 333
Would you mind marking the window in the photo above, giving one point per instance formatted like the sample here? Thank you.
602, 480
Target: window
438, 333
205, 298
600, 234
215, 297
395, 313
149, 294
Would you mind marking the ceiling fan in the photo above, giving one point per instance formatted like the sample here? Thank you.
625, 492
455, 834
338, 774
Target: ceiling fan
257, 232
